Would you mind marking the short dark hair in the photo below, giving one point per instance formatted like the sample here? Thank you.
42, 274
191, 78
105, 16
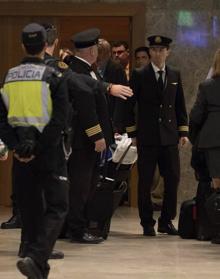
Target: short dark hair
34, 49
120, 43
51, 33
142, 48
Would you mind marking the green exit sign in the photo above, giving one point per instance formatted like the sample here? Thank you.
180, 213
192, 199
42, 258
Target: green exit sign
185, 18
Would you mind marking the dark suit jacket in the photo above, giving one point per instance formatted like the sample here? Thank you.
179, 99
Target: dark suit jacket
161, 115
114, 73
77, 65
81, 139
205, 115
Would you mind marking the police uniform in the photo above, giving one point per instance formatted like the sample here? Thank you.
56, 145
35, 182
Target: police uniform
161, 121
83, 162
33, 116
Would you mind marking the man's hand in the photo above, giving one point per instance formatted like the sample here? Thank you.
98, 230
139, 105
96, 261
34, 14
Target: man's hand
183, 141
24, 160
3, 152
25, 149
121, 91
4, 157
64, 52
100, 145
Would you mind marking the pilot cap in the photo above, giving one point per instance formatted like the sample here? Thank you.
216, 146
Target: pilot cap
86, 38
159, 41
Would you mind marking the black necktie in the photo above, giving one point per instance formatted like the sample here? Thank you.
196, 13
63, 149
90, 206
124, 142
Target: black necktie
160, 80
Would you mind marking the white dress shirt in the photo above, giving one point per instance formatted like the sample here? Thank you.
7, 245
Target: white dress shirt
156, 69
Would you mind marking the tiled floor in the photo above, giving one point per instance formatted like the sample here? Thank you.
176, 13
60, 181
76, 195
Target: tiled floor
125, 255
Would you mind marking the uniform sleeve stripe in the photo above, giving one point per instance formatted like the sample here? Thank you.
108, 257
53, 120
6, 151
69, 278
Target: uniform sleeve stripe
93, 130
131, 129
183, 128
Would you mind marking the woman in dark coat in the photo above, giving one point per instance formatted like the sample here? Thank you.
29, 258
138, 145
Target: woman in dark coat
205, 121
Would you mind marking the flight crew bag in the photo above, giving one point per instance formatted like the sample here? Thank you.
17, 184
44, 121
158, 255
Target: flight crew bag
187, 219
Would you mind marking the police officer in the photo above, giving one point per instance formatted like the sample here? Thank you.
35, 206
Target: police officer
161, 126
33, 116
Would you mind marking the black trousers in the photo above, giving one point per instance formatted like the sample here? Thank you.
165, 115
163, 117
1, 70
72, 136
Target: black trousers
83, 175
198, 162
43, 204
167, 158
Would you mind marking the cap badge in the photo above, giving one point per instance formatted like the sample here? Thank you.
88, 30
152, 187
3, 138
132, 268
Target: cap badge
158, 40
33, 35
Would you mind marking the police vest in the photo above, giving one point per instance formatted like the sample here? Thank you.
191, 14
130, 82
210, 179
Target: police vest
27, 96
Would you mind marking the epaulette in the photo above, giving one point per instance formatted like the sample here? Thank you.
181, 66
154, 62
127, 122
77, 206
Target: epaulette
62, 65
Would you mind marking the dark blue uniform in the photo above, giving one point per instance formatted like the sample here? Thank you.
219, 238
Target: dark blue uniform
161, 120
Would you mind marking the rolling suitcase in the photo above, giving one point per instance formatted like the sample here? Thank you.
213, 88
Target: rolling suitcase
108, 194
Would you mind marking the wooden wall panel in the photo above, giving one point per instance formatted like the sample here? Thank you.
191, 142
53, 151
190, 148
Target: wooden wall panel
119, 30
5, 181
10, 28
10, 46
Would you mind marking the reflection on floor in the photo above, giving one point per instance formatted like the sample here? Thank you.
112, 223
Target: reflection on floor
125, 255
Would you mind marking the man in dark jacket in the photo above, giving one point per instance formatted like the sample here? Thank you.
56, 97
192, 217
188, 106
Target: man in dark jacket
161, 126
111, 72
32, 123
84, 160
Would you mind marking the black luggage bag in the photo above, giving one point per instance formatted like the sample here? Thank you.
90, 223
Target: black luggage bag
108, 194
105, 201
187, 219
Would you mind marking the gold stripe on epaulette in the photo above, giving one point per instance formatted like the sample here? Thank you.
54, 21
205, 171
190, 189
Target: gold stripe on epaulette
130, 129
183, 128
94, 130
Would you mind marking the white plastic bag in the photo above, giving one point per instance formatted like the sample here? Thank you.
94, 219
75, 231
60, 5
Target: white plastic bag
123, 143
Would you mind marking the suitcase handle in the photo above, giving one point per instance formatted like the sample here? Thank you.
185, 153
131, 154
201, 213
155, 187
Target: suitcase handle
122, 157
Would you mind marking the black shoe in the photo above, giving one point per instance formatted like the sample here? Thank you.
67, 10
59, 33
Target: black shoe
216, 239
13, 223
29, 268
166, 228
149, 231
56, 255
202, 234
202, 237
87, 238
